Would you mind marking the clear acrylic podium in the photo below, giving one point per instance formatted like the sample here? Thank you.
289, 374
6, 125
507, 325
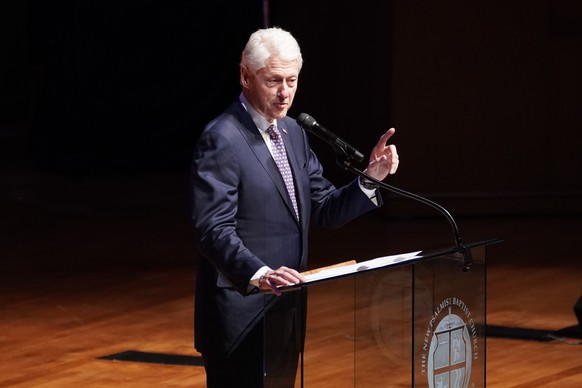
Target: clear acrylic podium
414, 323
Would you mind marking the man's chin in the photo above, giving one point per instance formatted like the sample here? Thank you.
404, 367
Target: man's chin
280, 113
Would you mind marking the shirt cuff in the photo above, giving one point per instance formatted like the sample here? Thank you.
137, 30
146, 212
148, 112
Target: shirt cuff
370, 193
255, 278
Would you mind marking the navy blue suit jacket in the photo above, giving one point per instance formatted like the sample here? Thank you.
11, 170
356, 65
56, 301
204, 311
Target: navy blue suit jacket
244, 219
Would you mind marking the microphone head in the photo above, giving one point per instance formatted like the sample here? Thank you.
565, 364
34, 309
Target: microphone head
306, 121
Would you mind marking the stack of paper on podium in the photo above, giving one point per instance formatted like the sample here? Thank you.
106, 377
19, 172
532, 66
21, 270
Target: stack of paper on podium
349, 267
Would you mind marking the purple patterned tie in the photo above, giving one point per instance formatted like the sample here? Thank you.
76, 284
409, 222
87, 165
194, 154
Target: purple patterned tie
280, 156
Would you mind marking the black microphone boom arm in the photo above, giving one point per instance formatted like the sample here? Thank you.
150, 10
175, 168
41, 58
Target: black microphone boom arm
346, 153
467, 257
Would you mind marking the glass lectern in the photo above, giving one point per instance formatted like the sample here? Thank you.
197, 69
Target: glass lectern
414, 320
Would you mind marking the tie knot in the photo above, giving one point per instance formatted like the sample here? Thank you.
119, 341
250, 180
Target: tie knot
273, 132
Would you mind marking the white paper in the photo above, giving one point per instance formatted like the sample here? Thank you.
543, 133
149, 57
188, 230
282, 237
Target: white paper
388, 260
384, 261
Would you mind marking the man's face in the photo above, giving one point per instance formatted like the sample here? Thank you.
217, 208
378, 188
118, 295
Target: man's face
271, 89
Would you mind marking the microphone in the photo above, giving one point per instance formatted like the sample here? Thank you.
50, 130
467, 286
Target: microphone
340, 146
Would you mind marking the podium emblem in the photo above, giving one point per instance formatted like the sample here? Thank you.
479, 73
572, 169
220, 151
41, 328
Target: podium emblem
450, 352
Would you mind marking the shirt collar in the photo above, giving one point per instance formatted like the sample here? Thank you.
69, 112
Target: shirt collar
261, 122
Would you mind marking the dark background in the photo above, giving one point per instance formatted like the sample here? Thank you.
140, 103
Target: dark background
101, 103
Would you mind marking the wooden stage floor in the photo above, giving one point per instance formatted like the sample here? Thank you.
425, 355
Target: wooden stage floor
93, 267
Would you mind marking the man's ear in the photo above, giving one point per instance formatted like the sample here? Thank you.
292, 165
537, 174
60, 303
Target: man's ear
244, 76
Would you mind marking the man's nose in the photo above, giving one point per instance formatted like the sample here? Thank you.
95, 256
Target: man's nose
283, 90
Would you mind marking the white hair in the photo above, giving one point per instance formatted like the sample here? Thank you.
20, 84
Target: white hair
268, 42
